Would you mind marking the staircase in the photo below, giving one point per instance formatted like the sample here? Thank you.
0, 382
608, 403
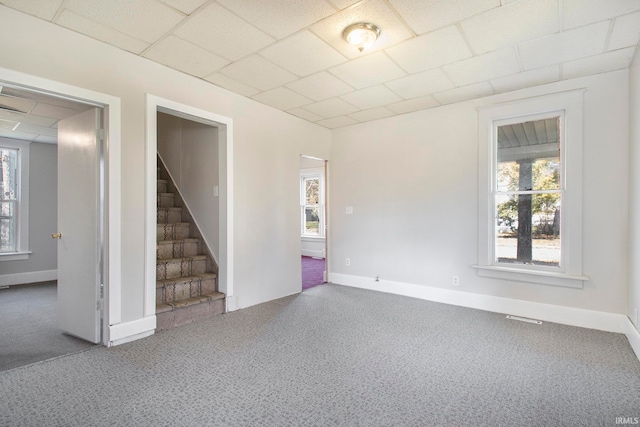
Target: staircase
186, 274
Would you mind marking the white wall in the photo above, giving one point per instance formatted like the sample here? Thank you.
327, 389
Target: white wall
190, 152
267, 148
634, 191
412, 182
43, 218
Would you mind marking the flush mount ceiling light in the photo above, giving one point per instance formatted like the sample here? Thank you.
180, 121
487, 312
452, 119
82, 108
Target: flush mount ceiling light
362, 35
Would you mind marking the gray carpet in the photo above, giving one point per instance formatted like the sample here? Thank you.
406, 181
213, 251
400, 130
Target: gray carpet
337, 356
28, 326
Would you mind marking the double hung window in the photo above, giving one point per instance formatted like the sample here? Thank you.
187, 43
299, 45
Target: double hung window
312, 193
14, 199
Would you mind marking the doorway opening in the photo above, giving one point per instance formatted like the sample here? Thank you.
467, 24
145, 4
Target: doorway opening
33, 113
211, 145
313, 221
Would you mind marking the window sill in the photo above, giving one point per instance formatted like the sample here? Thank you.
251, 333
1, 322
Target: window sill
14, 256
532, 276
307, 238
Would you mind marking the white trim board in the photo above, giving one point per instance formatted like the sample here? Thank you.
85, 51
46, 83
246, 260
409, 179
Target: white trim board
29, 277
591, 319
130, 331
633, 335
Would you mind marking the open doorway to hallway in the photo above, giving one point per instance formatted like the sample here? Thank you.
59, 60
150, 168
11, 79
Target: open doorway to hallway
313, 214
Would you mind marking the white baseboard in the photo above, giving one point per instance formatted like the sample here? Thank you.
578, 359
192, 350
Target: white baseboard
130, 331
312, 253
633, 335
591, 319
30, 277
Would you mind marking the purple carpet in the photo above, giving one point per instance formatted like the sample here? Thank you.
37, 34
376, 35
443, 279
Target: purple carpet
312, 269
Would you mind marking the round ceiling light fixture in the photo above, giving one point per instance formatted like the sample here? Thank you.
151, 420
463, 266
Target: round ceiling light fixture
362, 35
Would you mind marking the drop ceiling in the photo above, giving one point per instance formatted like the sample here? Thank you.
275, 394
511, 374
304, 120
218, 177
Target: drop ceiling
290, 54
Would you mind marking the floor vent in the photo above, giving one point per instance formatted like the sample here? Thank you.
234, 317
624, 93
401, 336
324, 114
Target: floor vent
524, 319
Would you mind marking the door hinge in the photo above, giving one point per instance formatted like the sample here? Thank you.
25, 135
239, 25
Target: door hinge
100, 134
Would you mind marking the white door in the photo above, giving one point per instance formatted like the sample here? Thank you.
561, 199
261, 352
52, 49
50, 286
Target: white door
79, 219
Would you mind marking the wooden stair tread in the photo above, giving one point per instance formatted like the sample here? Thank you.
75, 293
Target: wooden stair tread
164, 282
169, 242
161, 308
180, 259
170, 208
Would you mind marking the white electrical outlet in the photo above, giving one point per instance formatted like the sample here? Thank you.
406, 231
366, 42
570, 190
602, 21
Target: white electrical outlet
455, 281
347, 262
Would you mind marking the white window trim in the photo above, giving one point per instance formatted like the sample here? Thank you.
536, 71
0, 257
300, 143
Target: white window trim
22, 242
570, 104
305, 174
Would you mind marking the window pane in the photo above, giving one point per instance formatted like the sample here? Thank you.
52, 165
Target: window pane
528, 229
529, 156
7, 227
312, 220
312, 191
8, 173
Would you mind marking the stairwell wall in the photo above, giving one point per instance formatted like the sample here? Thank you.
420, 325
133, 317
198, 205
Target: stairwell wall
267, 148
190, 152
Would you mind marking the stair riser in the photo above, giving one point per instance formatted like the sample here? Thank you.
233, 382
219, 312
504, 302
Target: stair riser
162, 187
177, 249
187, 315
182, 290
180, 268
166, 216
172, 231
165, 200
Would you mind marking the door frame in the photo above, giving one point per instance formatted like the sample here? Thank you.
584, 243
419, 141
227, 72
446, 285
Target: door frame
112, 310
155, 104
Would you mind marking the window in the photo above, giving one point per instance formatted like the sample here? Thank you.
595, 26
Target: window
531, 190
312, 204
14, 205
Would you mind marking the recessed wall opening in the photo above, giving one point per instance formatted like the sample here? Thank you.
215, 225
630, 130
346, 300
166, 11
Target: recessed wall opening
313, 221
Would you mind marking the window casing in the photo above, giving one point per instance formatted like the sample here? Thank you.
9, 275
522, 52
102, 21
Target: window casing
530, 190
312, 205
14, 200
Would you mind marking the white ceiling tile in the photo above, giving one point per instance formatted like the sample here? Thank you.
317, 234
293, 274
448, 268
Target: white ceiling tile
415, 104
146, 20
217, 30
565, 46
610, 61
483, 67
53, 111
304, 114
17, 135
331, 108
625, 31
576, 13
292, 54
282, 98
525, 79
430, 50
371, 114
231, 84
343, 4
421, 84
280, 17
184, 56
428, 15
337, 122
15, 103
392, 30
46, 99
464, 93
8, 124
371, 97
320, 86
45, 9
255, 71
101, 32
368, 71
19, 117
39, 130
185, 6
511, 24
